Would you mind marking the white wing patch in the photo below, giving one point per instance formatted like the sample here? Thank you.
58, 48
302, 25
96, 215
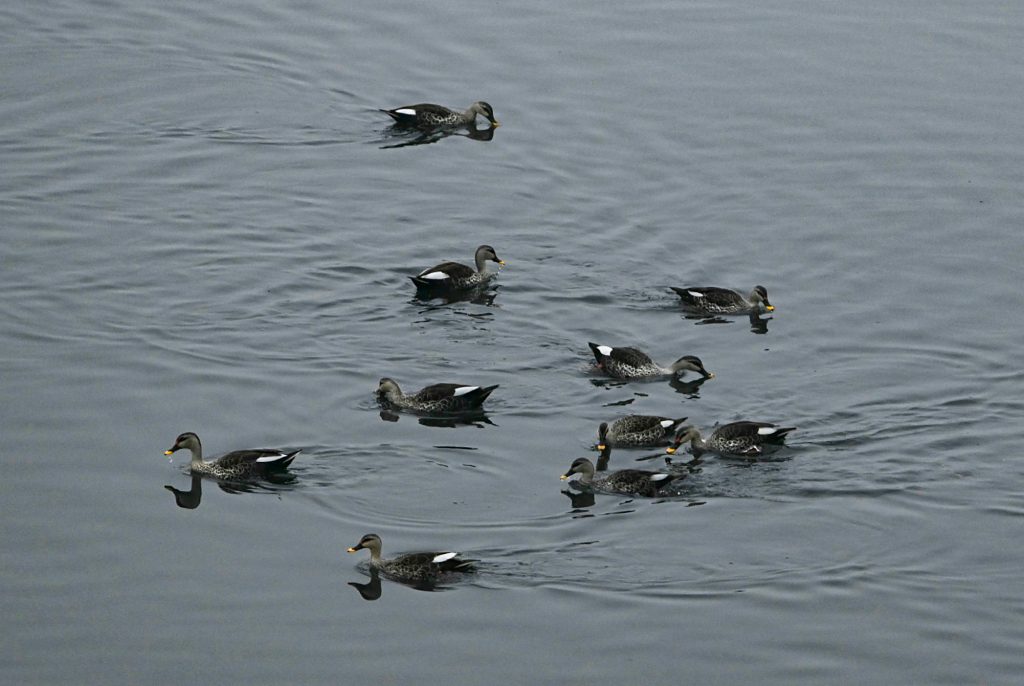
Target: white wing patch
436, 276
766, 430
270, 458
605, 350
407, 110
443, 557
659, 477
665, 423
696, 294
463, 390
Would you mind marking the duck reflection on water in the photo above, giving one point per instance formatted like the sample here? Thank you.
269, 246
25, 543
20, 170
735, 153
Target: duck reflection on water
477, 419
371, 590
434, 299
758, 324
416, 137
190, 499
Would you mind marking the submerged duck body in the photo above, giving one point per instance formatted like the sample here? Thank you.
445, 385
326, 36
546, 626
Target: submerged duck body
440, 398
637, 431
713, 300
457, 276
623, 481
630, 363
240, 464
428, 116
742, 439
414, 567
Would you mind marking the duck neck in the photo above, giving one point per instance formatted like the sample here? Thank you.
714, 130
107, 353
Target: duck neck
374, 554
197, 454
480, 260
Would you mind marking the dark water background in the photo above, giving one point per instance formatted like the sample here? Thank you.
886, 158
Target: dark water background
204, 226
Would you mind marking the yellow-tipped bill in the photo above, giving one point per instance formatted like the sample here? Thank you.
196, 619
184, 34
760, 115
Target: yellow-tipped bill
168, 452
496, 123
770, 308
601, 447
711, 375
351, 550
563, 477
670, 450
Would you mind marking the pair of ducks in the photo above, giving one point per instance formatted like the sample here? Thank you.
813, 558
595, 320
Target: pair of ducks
631, 364
428, 568
741, 439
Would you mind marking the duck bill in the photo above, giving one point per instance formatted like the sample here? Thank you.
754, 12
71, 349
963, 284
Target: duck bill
168, 452
352, 550
565, 477
769, 308
671, 450
601, 447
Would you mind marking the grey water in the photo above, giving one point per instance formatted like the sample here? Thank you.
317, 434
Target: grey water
206, 225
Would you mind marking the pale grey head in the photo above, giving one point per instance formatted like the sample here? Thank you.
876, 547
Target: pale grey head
485, 110
691, 363
388, 389
484, 254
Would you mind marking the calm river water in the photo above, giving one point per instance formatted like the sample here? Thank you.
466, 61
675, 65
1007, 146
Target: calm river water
207, 226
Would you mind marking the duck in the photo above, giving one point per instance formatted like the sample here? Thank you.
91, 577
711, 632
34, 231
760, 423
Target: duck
414, 567
630, 363
427, 116
240, 464
623, 481
637, 431
742, 439
439, 398
457, 276
714, 300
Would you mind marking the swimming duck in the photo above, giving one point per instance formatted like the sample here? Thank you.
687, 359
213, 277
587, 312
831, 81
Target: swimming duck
427, 116
743, 439
630, 363
623, 481
240, 464
637, 431
416, 567
439, 398
713, 300
454, 275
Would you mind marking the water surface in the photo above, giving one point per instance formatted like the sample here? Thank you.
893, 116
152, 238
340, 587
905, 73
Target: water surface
208, 226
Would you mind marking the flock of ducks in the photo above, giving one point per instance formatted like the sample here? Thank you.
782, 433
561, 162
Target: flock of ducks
745, 439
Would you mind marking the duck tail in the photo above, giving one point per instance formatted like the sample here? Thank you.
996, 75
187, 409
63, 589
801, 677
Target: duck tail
287, 459
486, 391
780, 434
